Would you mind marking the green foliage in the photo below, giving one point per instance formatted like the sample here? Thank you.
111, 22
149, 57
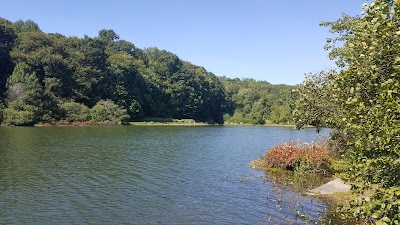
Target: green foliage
7, 40
91, 75
25, 26
281, 114
365, 95
75, 111
108, 111
126, 83
147, 83
100, 113
317, 103
1, 112
48, 57
108, 36
24, 97
18, 113
184, 90
378, 206
255, 102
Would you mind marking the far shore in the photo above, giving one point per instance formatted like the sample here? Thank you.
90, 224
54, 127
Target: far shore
174, 122
150, 124
169, 124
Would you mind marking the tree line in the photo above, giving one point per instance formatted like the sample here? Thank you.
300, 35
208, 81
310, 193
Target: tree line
258, 102
48, 77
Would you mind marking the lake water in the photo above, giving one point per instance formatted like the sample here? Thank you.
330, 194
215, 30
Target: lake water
144, 175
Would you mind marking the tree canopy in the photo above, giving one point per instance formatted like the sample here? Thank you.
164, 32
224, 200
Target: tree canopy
67, 72
258, 102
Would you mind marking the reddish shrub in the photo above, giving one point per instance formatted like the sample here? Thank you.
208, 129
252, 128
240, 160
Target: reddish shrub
290, 156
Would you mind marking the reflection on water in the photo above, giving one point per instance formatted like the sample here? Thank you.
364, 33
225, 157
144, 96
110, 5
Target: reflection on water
143, 175
299, 182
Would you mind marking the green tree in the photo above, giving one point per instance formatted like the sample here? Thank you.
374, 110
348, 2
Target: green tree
24, 97
47, 55
281, 114
90, 74
316, 103
183, 95
75, 111
7, 40
257, 102
126, 83
21, 26
108, 36
1, 112
366, 95
147, 83
183, 90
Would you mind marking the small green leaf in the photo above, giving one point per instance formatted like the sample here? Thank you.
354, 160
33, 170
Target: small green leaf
386, 219
377, 214
380, 222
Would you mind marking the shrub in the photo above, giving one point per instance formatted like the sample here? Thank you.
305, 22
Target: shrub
18, 117
1, 112
301, 157
75, 111
108, 111
18, 113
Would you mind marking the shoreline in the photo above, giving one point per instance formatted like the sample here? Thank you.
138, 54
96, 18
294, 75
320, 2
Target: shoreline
155, 122
169, 124
263, 125
89, 124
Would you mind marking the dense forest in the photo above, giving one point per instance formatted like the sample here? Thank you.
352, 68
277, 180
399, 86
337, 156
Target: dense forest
258, 102
46, 78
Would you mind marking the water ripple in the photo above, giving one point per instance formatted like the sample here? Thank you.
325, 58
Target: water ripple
142, 175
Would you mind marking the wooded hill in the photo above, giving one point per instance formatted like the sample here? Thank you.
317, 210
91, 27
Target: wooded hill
47, 77
258, 102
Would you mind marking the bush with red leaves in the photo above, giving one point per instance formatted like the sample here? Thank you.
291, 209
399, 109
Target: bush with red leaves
290, 156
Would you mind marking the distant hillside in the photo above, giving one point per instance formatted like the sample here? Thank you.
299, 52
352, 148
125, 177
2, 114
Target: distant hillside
50, 77
257, 102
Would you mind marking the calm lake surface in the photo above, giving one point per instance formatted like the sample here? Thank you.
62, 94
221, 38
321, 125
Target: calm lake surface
144, 175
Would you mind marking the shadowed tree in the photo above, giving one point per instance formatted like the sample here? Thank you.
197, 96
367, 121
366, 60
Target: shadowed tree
7, 40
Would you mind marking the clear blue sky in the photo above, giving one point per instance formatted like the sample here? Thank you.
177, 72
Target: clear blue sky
276, 41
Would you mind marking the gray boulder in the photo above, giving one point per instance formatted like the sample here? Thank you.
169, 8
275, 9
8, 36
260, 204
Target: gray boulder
335, 186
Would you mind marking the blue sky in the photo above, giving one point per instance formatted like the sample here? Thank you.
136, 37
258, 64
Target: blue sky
275, 41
